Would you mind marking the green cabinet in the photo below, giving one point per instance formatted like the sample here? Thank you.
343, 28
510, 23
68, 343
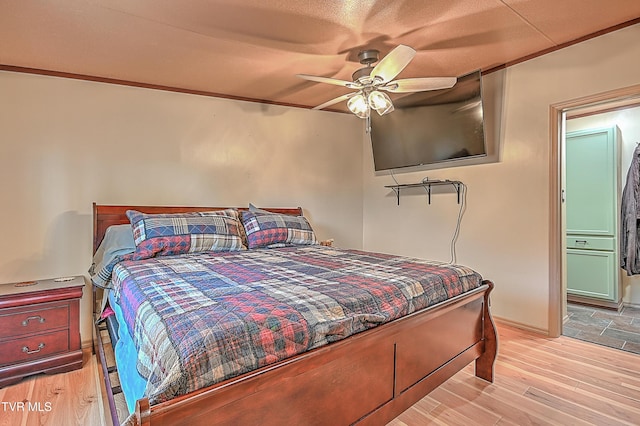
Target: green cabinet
592, 193
592, 273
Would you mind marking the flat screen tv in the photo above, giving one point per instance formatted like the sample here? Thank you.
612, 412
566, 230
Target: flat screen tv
431, 127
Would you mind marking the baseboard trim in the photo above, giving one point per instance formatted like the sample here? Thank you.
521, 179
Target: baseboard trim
631, 305
595, 302
521, 326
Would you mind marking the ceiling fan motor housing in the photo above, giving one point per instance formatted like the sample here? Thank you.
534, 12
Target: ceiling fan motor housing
368, 58
362, 75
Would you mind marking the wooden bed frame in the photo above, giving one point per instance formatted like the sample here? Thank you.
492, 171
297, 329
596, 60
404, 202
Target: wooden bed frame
368, 379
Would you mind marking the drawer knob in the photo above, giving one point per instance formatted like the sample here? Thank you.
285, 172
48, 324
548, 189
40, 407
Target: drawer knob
26, 350
35, 317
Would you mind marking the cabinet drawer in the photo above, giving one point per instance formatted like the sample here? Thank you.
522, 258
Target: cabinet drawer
33, 347
29, 320
590, 243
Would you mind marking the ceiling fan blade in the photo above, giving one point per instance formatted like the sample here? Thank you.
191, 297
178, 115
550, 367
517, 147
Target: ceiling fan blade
419, 84
392, 64
336, 100
328, 80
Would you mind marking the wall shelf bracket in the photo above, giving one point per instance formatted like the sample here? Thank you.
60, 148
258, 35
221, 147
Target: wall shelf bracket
426, 184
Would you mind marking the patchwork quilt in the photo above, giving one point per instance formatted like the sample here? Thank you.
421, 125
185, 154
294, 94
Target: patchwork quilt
198, 319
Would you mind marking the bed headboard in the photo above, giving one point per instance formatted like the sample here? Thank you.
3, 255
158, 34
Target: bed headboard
106, 215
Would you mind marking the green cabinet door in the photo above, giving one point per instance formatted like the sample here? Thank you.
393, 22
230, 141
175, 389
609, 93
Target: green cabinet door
591, 273
591, 167
591, 182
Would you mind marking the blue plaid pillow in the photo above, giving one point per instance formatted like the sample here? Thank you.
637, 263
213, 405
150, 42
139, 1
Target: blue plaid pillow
276, 230
169, 234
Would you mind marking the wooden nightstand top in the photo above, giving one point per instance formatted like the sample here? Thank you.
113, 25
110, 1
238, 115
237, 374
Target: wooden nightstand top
49, 290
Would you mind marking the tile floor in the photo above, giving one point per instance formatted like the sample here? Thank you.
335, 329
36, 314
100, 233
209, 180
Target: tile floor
620, 330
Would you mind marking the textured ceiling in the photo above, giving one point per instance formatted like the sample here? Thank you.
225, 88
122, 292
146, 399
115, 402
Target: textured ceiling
253, 48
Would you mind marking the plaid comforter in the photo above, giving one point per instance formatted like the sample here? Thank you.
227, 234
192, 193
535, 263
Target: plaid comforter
198, 319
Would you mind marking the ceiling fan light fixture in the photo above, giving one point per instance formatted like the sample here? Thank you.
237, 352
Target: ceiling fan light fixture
359, 106
386, 111
370, 82
380, 102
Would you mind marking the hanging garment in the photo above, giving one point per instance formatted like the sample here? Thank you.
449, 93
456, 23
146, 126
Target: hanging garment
629, 215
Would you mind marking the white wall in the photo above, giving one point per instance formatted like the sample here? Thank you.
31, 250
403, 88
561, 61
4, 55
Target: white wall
67, 143
505, 231
628, 121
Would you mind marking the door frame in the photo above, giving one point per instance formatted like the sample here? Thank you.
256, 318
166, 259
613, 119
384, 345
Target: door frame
598, 103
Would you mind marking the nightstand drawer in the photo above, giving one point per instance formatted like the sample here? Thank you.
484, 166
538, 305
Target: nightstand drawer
39, 328
33, 347
33, 319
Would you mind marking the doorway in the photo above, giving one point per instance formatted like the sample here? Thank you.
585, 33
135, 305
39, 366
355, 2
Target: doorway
595, 104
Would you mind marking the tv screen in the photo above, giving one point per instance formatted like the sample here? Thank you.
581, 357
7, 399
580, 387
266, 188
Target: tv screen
431, 127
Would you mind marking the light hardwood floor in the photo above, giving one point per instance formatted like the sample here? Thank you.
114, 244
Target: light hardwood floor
537, 381
72, 398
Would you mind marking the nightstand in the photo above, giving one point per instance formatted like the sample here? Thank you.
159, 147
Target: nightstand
39, 328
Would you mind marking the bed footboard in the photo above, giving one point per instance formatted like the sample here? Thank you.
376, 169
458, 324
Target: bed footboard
369, 378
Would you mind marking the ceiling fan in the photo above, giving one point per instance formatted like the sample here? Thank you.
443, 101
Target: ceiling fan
371, 82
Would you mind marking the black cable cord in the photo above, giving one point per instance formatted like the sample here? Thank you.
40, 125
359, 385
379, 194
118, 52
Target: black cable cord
456, 233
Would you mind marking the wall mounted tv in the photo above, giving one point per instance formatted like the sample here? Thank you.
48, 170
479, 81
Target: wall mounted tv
431, 127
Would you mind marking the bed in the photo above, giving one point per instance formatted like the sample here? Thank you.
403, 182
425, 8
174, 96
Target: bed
364, 371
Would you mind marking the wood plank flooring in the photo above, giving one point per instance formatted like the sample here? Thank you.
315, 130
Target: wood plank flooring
72, 398
538, 381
